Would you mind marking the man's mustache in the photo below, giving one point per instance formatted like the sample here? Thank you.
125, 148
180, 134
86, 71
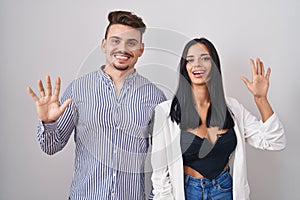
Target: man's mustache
123, 53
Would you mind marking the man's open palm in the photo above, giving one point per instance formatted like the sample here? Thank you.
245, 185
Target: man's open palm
48, 106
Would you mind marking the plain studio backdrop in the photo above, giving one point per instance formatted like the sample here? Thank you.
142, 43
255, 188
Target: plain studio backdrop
62, 38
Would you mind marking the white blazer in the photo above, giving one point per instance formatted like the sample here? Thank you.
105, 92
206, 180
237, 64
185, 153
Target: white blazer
166, 156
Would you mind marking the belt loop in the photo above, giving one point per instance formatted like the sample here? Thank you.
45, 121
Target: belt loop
186, 179
214, 181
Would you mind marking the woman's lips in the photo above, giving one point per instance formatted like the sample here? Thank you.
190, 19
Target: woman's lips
198, 73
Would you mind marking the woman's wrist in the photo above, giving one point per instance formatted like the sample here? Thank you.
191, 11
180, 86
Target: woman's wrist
262, 99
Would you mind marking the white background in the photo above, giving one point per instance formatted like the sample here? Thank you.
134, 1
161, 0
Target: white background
40, 37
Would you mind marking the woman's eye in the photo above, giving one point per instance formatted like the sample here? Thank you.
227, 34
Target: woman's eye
190, 60
207, 58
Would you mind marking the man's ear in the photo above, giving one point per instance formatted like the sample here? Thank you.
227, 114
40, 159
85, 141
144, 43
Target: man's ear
103, 45
142, 49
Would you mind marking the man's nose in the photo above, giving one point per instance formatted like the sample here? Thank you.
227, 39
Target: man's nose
123, 46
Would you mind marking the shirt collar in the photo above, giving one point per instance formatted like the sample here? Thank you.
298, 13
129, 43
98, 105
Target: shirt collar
107, 78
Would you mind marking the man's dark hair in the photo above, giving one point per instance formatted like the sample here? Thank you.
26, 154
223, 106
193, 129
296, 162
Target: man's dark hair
125, 18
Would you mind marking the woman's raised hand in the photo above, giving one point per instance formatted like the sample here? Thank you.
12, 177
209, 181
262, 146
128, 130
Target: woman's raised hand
260, 80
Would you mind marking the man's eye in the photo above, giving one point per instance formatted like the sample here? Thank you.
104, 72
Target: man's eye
132, 43
115, 41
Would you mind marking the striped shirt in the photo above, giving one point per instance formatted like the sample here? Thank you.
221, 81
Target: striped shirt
111, 133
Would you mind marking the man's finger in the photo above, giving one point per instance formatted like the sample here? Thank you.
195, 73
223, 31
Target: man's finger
48, 85
57, 87
65, 105
33, 95
41, 88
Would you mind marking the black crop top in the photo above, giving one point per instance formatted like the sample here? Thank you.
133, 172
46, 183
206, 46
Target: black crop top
204, 157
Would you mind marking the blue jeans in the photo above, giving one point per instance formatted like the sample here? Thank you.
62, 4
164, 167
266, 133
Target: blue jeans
219, 188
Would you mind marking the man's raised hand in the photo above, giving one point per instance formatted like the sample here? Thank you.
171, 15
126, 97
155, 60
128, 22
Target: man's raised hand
47, 105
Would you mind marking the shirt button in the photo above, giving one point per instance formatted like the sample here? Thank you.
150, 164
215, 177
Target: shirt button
112, 194
118, 127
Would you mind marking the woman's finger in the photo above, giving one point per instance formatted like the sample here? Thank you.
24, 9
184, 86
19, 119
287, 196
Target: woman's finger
262, 68
253, 69
245, 80
268, 73
259, 67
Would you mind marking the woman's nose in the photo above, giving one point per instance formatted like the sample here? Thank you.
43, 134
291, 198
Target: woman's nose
197, 63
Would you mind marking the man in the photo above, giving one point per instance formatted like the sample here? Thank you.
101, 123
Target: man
109, 111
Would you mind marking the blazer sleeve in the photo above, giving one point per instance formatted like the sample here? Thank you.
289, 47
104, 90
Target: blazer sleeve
162, 187
268, 135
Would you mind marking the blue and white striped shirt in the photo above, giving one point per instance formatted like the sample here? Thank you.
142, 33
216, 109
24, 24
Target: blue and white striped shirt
111, 133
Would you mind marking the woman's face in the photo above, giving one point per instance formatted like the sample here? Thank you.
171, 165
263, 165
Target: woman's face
199, 64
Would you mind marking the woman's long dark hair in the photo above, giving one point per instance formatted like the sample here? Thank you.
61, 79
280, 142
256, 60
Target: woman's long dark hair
183, 110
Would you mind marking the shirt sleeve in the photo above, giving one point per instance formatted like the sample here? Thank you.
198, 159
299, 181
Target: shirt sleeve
54, 136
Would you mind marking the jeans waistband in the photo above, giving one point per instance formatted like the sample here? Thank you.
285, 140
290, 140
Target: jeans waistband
205, 182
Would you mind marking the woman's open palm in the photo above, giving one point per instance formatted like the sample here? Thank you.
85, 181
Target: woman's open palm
260, 80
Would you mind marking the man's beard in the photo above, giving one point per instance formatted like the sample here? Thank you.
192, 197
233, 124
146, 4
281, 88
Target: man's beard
124, 53
120, 68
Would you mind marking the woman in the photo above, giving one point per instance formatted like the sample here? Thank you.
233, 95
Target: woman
197, 133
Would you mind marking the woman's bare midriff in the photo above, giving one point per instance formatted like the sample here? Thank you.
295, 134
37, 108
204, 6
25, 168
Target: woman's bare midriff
191, 172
